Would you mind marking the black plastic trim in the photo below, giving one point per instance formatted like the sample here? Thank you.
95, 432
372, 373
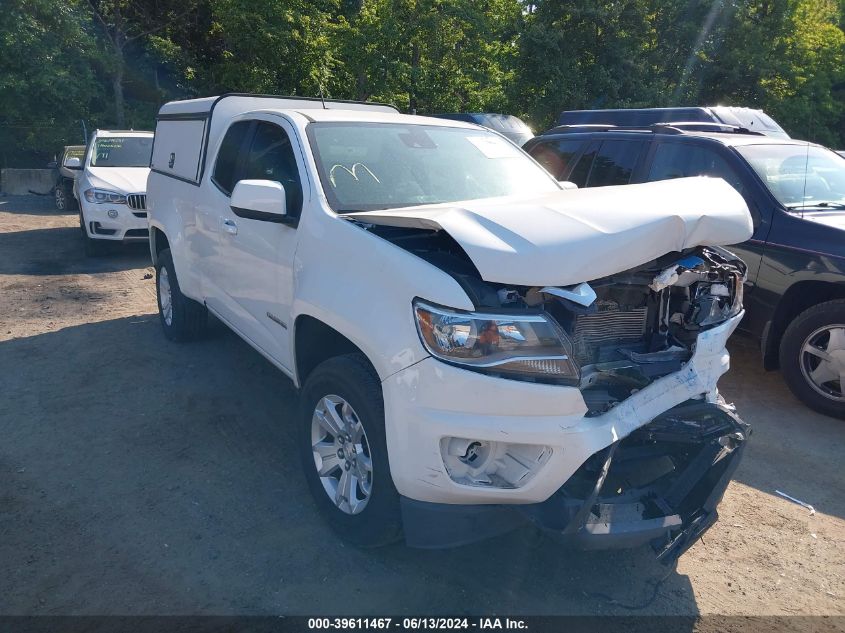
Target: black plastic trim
263, 216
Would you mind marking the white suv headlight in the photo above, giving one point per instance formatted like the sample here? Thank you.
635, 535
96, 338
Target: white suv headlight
102, 196
521, 346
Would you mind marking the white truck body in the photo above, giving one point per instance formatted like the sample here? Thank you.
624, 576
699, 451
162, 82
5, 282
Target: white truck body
268, 277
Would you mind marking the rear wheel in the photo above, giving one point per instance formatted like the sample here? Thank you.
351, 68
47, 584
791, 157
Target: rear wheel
182, 319
812, 357
344, 451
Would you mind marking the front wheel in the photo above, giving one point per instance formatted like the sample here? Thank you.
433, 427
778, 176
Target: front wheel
344, 451
812, 357
182, 319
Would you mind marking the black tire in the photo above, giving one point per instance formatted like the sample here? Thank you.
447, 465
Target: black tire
188, 318
93, 247
352, 378
63, 197
72, 202
791, 356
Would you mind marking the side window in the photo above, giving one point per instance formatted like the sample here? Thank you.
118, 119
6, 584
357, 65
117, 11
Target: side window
557, 156
615, 163
678, 160
270, 157
227, 157
582, 168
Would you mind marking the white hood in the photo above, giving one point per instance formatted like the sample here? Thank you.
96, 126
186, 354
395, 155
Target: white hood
567, 237
119, 179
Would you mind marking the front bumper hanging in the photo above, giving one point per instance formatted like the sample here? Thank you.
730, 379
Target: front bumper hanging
660, 485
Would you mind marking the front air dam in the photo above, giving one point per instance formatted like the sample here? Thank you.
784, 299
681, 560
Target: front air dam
659, 485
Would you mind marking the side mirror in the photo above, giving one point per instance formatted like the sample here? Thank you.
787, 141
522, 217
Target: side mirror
73, 163
260, 200
565, 184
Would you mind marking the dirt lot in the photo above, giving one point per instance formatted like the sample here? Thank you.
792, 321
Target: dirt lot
142, 477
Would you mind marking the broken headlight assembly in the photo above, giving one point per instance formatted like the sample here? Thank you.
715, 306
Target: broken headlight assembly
519, 346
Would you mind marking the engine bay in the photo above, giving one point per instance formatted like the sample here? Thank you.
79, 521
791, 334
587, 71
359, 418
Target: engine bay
625, 330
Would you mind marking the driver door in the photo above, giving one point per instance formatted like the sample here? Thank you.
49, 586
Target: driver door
255, 273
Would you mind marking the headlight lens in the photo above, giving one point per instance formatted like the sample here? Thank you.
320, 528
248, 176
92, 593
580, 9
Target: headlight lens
102, 196
521, 346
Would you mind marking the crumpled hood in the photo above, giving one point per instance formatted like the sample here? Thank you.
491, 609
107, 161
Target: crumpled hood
120, 179
567, 237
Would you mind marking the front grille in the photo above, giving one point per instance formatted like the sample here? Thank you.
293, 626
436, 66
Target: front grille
137, 200
136, 233
139, 214
608, 327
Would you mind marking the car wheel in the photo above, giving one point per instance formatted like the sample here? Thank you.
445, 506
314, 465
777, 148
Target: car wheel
344, 451
71, 203
93, 247
812, 357
182, 319
60, 197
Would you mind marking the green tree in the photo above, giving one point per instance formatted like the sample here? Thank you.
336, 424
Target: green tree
48, 81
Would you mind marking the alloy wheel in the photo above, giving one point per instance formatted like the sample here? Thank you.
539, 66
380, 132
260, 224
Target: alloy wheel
341, 454
822, 361
165, 296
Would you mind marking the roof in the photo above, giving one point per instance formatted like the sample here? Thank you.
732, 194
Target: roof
251, 102
725, 138
100, 133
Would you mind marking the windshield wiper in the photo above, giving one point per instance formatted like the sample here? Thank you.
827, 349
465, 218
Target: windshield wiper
816, 205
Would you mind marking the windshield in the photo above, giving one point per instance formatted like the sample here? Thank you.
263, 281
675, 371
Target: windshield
799, 176
122, 151
368, 166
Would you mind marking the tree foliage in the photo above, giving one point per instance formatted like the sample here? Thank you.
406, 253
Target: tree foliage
115, 61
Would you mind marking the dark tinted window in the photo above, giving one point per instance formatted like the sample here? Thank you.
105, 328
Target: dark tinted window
227, 157
556, 156
582, 168
614, 163
270, 157
679, 160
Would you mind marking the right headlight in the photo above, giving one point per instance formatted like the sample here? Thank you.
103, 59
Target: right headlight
102, 196
520, 346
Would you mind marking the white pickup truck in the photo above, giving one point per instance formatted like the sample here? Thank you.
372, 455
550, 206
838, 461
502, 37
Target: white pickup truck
475, 346
111, 188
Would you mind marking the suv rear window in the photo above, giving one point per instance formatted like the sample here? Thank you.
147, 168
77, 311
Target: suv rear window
557, 156
612, 164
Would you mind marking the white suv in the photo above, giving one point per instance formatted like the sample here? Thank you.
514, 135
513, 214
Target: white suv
476, 347
111, 188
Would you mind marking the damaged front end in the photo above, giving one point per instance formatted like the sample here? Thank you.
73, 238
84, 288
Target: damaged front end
660, 485
650, 455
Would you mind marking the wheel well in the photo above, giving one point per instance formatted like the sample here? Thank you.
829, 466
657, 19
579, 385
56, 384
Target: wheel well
797, 298
315, 342
159, 240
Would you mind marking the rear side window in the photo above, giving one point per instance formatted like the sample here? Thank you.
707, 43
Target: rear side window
557, 156
615, 162
270, 157
227, 157
679, 160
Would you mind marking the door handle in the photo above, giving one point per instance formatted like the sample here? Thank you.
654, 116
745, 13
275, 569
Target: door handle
230, 227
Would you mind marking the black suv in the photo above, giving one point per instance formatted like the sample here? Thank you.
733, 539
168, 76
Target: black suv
795, 295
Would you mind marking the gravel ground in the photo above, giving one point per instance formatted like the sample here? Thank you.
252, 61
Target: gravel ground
143, 477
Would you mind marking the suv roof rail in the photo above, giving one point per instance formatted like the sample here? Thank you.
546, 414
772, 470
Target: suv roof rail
669, 127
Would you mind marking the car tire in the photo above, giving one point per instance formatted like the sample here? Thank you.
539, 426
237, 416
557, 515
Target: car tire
182, 318
72, 202
368, 514
812, 351
93, 247
60, 197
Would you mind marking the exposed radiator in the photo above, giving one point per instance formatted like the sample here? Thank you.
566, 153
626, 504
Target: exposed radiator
608, 326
